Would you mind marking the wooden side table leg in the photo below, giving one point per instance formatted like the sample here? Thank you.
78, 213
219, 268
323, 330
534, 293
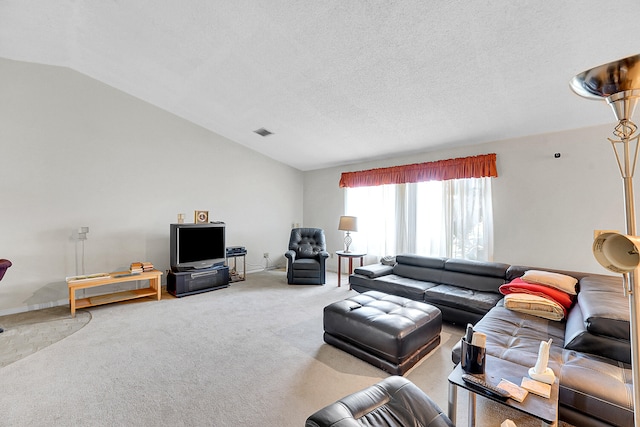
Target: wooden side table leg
72, 301
155, 284
339, 269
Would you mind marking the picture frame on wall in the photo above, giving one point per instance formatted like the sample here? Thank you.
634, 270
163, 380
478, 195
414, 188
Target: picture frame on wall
201, 217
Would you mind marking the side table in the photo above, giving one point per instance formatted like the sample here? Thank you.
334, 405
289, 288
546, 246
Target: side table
545, 410
350, 256
234, 275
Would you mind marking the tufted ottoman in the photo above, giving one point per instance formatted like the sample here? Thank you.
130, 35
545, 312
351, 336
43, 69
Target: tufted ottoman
390, 332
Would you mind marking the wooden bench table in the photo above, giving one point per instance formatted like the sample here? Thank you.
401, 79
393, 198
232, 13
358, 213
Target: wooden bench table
154, 289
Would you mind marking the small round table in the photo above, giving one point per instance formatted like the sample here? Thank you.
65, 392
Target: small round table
351, 256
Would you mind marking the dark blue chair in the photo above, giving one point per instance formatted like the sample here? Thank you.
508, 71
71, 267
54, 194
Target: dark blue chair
306, 257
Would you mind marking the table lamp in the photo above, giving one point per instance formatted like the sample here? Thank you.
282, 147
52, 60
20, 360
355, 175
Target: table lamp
348, 224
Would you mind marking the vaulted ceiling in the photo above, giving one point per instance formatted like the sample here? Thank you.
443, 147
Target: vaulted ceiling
338, 81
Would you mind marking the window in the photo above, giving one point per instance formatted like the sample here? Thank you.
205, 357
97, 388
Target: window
451, 218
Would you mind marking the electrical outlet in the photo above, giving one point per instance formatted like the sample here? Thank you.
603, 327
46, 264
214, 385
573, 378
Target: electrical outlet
265, 255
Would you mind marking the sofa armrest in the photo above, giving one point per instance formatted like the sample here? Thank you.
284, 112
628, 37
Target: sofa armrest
291, 255
374, 270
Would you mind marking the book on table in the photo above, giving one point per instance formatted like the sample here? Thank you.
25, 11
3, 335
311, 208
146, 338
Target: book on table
536, 387
516, 392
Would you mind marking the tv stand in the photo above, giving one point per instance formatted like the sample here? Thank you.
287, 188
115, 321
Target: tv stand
183, 283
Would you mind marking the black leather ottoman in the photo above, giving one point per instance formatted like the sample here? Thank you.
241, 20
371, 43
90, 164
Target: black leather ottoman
393, 402
390, 332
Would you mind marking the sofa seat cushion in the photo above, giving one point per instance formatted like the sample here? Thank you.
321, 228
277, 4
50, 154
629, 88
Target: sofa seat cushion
516, 337
453, 296
604, 307
306, 264
402, 286
591, 384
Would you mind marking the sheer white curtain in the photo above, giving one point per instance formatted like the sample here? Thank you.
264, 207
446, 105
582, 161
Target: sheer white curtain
375, 208
451, 218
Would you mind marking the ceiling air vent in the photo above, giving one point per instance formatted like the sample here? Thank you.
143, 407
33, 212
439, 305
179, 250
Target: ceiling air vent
263, 132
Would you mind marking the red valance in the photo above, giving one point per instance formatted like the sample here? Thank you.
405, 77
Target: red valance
463, 167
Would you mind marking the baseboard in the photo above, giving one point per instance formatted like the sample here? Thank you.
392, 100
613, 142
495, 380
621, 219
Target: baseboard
33, 307
50, 304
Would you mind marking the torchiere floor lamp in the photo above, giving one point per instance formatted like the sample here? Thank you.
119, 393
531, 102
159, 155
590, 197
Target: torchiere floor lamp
618, 83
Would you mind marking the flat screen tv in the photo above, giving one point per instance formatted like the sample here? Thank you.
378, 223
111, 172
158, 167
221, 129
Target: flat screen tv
196, 246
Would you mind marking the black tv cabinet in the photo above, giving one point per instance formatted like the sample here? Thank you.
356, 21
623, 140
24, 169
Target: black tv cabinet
180, 284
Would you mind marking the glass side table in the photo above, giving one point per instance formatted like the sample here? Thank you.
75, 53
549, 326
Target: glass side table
545, 410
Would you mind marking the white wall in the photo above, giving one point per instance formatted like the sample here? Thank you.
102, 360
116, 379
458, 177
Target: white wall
545, 209
75, 152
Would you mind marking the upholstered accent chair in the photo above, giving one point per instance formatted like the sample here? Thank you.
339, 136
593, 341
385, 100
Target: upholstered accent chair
306, 256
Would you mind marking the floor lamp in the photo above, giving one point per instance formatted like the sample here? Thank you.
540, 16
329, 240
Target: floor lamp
618, 83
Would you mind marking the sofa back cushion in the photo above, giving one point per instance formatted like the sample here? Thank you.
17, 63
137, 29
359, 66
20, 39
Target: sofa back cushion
605, 309
476, 275
578, 338
421, 261
428, 269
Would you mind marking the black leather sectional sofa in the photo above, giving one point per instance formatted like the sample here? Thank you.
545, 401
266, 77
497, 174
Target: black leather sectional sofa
590, 351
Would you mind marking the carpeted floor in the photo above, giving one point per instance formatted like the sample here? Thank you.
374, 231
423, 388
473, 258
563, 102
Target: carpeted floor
248, 355
26, 333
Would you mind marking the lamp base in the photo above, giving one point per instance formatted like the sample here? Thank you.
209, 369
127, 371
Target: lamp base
347, 243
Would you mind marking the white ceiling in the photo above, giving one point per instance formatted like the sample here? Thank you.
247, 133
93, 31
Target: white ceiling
338, 81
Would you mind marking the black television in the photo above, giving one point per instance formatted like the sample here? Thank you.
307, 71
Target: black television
196, 246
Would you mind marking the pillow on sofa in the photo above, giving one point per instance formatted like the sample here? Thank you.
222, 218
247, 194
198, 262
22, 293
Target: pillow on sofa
555, 280
544, 291
388, 260
534, 305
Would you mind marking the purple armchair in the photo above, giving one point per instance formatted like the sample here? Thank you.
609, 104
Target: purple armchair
4, 265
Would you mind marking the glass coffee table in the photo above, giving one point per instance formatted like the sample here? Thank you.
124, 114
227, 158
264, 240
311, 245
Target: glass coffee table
546, 410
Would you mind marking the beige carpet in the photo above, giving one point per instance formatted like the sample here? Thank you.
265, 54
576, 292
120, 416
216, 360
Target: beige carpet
248, 355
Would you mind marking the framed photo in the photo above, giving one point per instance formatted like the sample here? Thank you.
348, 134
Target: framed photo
201, 217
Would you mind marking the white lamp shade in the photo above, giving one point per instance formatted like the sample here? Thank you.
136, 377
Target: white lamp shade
348, 223
617, 252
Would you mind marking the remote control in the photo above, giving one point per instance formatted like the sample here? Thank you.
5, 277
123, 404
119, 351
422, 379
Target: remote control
495, 391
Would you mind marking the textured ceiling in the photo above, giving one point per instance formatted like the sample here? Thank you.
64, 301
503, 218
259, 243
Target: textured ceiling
338, 81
